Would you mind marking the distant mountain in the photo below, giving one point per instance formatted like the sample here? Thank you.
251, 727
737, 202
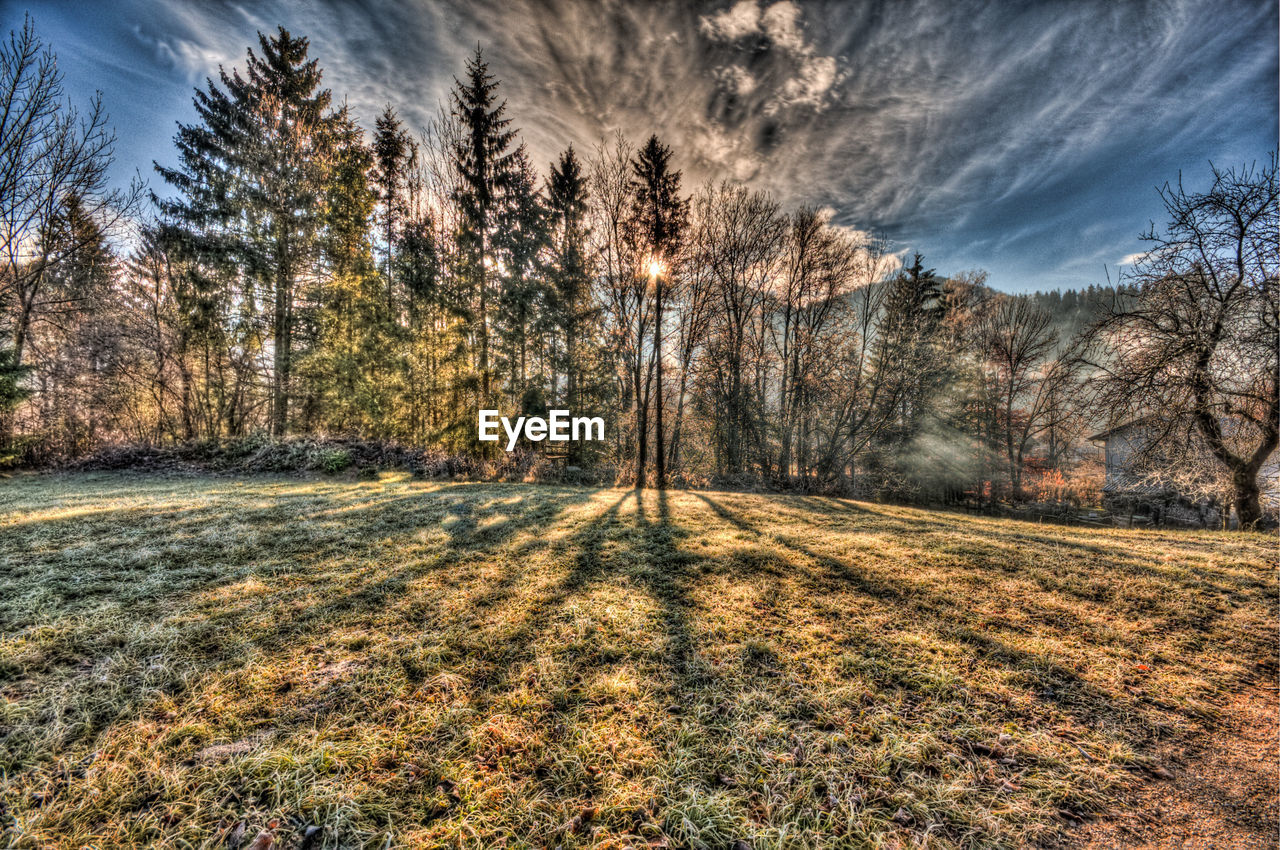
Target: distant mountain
1073, 310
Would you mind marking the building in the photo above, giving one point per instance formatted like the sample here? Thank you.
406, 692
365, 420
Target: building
1128, 490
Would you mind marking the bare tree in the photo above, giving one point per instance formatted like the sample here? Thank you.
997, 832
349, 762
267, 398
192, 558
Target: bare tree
50, 154
51, 157
821, 266
1195, 351
1027, 380
692, 303
624, 285
747, 233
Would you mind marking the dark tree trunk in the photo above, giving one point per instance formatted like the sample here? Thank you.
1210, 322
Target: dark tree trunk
484, 325
642, 430
283, 340
1248, 499
675, 431
660, 455
184, 379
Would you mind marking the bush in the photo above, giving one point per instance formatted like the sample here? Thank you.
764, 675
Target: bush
331, 455
334, 461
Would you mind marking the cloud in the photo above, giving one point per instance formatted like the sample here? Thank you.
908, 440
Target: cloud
781, 23
193, 60
739, 21
1023, 138
816, 77
797, 75
736, 79
726, 154
195, 41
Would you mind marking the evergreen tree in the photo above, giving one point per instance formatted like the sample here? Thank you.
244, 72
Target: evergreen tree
351, 377
433, 318
394, 154
484, 159
12, 393
251, 184
911, 365
417, 266
660, 215
519, 244
567, 206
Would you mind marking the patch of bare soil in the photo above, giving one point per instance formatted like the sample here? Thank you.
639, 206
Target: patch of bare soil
1224, 791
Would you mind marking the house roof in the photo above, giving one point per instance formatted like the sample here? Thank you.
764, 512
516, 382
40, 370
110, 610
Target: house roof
1126, 486
1124, 426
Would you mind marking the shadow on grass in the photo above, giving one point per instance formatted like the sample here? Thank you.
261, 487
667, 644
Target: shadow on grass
491, 578
951, 617
299, 555
1003, 544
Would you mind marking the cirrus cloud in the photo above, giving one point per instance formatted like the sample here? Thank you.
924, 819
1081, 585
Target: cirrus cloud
1022, 138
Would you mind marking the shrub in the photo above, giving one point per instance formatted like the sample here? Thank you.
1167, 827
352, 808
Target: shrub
334, 461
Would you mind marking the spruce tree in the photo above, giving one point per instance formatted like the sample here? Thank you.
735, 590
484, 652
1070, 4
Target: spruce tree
394, 154
351, 381
484, 158
660, 215
519, 243
250, 181
417, 268
911, 366
567, 207
13, 392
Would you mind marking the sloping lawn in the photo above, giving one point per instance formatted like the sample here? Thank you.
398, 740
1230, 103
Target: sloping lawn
187, 662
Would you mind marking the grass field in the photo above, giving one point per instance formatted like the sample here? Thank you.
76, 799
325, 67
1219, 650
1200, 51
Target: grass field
396, 663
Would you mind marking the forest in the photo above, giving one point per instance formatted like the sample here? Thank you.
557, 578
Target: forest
290, 271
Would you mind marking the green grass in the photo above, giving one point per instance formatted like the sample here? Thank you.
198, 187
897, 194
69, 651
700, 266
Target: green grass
411, 664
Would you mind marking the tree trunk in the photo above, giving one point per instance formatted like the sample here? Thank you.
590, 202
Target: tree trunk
571, 381
571, 368
660, 455
675, 431
784, 398
283, 339
642, 428
184, 379
524, 347
1248, 499
391, 230
484, 324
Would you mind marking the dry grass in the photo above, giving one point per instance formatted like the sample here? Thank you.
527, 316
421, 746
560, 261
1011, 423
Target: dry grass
396, 663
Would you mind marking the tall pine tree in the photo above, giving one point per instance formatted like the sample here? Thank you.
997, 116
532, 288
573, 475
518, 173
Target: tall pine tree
567, 207
484, 157
251, 183
660, 215
519, 244
394, 154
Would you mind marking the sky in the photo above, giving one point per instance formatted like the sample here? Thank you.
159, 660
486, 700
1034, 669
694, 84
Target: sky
1024, 139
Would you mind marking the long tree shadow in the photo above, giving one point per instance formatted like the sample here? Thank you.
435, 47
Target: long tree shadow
218, 633
1073, 575
499, 576
666, 580
951, 619
495, 666
695, 722
655, 563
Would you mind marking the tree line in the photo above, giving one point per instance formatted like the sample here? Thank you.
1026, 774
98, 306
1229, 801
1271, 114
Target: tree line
293, 273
